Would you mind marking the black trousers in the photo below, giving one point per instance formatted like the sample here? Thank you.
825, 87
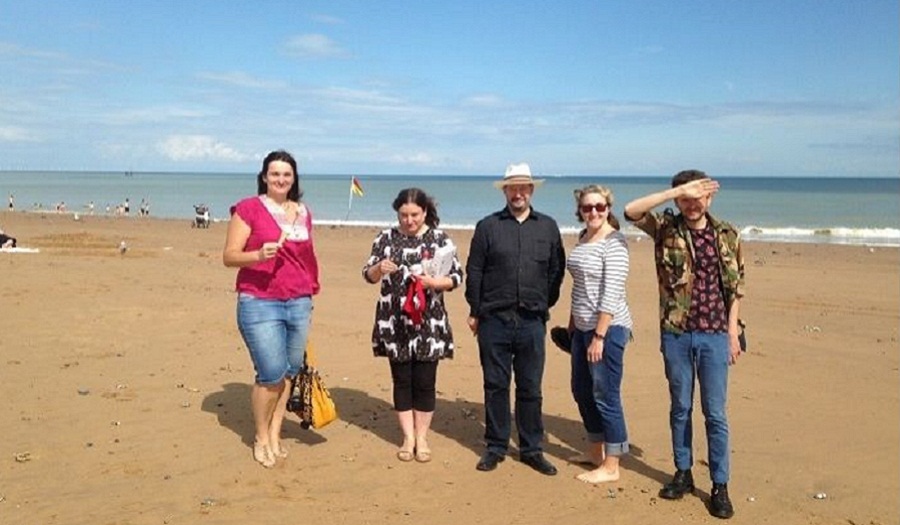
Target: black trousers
414, 385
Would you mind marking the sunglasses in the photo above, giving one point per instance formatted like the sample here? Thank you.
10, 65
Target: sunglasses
599, 208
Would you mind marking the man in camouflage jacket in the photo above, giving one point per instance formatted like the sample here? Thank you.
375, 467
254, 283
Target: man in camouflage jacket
700, 270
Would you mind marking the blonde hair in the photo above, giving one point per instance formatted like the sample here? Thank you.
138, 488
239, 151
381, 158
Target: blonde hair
602, 191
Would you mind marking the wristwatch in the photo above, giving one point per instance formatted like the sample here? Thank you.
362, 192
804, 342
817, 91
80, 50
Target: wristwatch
598, 336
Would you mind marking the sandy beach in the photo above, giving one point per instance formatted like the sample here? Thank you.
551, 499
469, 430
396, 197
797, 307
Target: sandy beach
127, 384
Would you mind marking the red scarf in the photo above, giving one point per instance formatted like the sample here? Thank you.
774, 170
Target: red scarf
414, 306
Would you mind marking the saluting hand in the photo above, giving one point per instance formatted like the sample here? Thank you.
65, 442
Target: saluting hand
699, 188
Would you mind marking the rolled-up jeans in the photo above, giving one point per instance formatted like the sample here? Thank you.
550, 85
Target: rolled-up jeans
597, 388
513, 343
706, 357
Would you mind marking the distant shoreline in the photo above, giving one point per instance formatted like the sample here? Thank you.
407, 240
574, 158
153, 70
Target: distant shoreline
890, 238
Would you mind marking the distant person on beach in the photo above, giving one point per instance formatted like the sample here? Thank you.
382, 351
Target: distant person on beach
91, 208
515, 268
126, 206
601, 328
415, 262
270, 239
12, 202
6, 241
700, 270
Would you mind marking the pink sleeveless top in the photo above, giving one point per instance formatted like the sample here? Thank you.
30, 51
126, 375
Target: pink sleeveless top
293, 272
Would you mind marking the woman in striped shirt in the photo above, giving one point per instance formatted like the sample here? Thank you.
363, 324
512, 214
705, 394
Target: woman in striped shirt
601, 327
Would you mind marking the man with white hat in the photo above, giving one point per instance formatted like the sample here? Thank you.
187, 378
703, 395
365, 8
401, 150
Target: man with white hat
513, 276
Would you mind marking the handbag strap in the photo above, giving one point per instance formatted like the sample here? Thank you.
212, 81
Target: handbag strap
309, 357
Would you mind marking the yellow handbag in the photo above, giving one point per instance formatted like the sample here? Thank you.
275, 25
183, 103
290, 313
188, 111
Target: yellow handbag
310, 399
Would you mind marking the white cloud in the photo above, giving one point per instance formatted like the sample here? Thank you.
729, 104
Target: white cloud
312, 46
241, 79
485, 101
415, 159
199, 147
16, 134
153, 114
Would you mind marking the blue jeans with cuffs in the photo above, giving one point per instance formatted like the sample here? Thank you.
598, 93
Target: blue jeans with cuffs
597, 388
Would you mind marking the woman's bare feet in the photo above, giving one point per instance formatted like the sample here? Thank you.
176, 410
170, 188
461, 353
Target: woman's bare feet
263, 454
423, 452
600, 475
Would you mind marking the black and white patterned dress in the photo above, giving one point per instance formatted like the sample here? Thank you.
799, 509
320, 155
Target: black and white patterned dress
394, 335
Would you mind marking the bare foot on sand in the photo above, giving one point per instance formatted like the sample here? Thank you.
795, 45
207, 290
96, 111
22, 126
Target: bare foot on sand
600, 475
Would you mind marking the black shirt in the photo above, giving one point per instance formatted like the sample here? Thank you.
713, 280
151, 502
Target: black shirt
514, 265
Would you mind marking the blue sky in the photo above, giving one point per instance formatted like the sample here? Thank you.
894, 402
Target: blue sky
737, 88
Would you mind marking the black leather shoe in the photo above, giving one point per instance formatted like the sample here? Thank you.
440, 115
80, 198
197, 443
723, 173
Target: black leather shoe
489, 461
681, 484
719, 502
540, 464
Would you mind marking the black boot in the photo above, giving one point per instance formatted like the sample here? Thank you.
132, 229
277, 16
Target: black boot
681, 484
719, 502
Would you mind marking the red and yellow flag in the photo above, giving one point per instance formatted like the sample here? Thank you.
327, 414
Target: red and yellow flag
356, 187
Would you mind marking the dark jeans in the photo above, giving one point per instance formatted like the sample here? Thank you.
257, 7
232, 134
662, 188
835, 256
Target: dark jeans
513, 343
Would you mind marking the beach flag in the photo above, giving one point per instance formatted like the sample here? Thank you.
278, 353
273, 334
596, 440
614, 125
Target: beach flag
356, 187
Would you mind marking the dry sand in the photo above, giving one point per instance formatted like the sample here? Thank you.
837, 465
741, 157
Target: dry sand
126, 395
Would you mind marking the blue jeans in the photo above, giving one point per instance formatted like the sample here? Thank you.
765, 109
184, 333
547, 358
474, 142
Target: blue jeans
597, 388
705, 356
508, 343
275, 332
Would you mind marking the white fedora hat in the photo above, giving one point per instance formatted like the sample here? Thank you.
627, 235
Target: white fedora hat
517, 174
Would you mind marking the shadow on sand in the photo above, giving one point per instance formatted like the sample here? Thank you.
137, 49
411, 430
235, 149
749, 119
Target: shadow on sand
458, 419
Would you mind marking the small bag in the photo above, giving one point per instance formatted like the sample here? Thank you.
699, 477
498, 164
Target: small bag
309, 398
561, 338
742, 338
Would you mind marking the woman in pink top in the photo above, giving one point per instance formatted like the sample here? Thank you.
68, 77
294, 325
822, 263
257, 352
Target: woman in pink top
270, 240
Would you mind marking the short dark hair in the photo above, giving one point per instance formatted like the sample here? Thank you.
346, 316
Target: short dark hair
683, 177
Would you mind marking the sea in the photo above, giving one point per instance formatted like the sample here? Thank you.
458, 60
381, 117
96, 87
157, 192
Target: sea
863, 211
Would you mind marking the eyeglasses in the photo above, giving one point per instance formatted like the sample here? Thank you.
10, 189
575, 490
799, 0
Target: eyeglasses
599, 207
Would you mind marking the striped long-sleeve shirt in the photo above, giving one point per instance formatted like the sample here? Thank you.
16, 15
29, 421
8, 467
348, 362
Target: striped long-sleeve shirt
599, 271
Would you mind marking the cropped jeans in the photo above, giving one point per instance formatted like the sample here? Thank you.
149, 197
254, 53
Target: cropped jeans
513, 343
597, 388
275, 332
706, 357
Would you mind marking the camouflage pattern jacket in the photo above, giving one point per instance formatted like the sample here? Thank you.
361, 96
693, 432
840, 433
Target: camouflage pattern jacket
674, 264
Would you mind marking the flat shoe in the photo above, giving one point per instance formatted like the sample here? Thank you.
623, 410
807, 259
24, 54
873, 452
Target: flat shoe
405, 455
423, 456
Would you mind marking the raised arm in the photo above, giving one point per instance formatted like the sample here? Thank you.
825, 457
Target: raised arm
636, 209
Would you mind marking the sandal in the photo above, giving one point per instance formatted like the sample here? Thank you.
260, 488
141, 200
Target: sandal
423, 454
282, 452
263, 455
404, 455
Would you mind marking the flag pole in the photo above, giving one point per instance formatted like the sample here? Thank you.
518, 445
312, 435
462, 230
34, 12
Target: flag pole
349, 200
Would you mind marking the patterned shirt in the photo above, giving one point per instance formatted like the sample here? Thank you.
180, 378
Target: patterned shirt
707, 312
674, 249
